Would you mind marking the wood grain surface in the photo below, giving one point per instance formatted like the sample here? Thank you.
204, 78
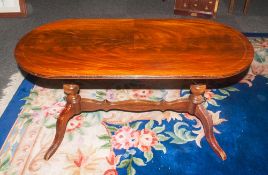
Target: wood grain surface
134, 48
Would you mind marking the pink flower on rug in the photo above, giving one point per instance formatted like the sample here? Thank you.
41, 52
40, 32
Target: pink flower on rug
111, 94
261, 43
122, 95
111, 172
54, 109
141, 93
74, 123
124, 138
146, 139
112, 159
83, 161
189, 116
209, 94
80, 160
117, 95
248, 79
264, 44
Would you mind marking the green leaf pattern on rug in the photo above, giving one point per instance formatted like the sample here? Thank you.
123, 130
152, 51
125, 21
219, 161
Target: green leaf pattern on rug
213, 95
261, 49
148, 155
128, 163
180, 135
4, 163
107, 139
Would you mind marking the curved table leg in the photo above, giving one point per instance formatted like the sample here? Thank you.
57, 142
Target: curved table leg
196, 108
72, 108
202, 114
193, 106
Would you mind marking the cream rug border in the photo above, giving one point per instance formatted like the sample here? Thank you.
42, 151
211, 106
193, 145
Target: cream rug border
14, 82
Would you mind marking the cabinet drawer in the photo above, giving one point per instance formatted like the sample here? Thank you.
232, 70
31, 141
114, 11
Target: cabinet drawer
203, 8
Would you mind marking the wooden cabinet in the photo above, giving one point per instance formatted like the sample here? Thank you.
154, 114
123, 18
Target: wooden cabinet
201, 8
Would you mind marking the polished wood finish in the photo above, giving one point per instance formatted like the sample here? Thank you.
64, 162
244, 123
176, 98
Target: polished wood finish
199, 8
134, 48
196, 97
134, 105
72, 108
191, 105
206, 120
22, 13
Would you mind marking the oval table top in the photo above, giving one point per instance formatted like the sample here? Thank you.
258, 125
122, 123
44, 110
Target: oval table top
134, 48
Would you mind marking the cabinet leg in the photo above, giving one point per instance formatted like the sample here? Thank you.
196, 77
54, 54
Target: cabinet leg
245, 10
231, 6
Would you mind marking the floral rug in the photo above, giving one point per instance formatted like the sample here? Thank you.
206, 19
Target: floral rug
117, 142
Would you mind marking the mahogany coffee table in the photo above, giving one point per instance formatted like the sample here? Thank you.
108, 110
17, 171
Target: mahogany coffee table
134, 49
